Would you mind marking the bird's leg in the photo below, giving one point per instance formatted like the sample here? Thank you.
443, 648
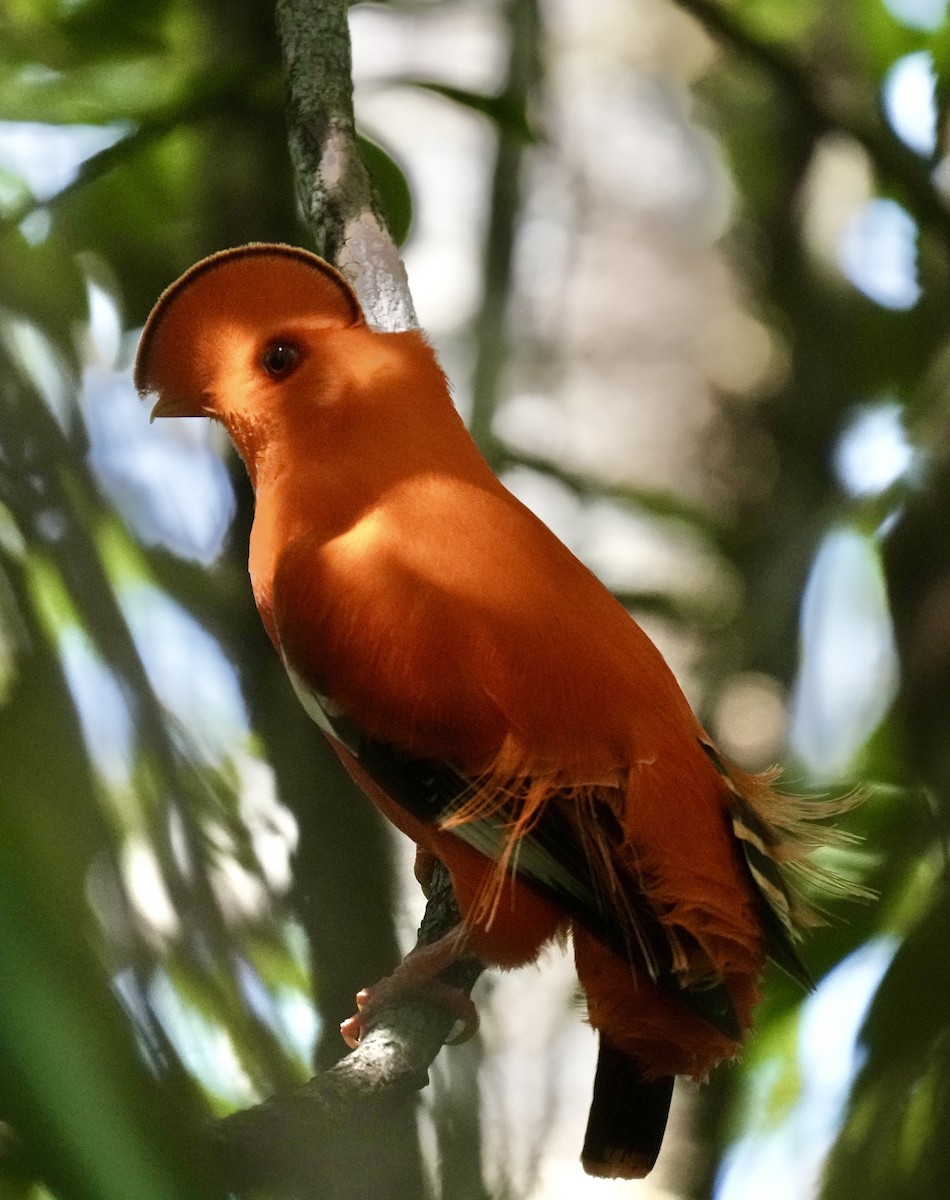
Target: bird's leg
417, 975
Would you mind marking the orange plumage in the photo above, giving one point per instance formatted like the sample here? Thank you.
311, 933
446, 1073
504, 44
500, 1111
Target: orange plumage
436, 629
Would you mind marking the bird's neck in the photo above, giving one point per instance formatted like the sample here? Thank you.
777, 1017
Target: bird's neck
389, 425
286, 507
320, 501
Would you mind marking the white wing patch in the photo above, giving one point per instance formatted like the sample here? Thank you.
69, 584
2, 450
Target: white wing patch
323, 711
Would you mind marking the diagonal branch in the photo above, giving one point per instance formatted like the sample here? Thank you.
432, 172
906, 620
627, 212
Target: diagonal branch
206, 95
296, 1138
827, 109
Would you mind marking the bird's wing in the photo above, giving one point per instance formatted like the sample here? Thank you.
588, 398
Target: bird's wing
550, 855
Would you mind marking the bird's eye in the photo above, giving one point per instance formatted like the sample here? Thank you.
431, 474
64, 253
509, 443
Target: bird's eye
279, 359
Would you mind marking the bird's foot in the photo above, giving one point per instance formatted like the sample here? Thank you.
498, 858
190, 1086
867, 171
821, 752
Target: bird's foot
416, 976
424, 869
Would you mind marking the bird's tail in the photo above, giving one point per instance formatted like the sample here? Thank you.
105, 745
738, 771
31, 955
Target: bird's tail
627, 1118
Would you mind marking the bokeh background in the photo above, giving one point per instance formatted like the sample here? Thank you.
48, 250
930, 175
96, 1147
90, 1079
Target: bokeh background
687, 266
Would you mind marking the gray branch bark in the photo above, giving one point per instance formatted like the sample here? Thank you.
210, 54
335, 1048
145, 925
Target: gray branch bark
333, 186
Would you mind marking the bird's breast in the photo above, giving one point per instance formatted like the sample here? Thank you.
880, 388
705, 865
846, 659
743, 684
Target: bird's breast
449, 621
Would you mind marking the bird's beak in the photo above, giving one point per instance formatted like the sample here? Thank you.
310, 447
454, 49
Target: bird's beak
170, 405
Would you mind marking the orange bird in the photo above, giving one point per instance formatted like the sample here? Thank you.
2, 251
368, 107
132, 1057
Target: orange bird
483, 687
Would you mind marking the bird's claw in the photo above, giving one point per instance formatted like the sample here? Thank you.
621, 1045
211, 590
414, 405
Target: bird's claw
353, 1028
371, 1001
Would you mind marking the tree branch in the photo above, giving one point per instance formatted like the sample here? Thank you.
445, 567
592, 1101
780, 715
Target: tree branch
333, 185
294, 1138
827, 109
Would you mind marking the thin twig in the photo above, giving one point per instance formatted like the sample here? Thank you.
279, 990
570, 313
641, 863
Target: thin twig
206, 95
656, 502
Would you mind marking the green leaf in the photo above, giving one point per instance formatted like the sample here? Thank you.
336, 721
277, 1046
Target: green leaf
42, 283
893, 1142
391, 187
508, 113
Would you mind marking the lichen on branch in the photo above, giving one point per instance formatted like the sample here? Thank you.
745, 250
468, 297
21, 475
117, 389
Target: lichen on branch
333, 186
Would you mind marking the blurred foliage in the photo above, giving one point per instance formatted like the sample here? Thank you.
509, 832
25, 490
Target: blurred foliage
146, 937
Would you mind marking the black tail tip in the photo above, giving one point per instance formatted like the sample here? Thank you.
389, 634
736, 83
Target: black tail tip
627, 1119
619, 1164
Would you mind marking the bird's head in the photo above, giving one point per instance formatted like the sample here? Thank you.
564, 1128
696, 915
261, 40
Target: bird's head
227, 338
